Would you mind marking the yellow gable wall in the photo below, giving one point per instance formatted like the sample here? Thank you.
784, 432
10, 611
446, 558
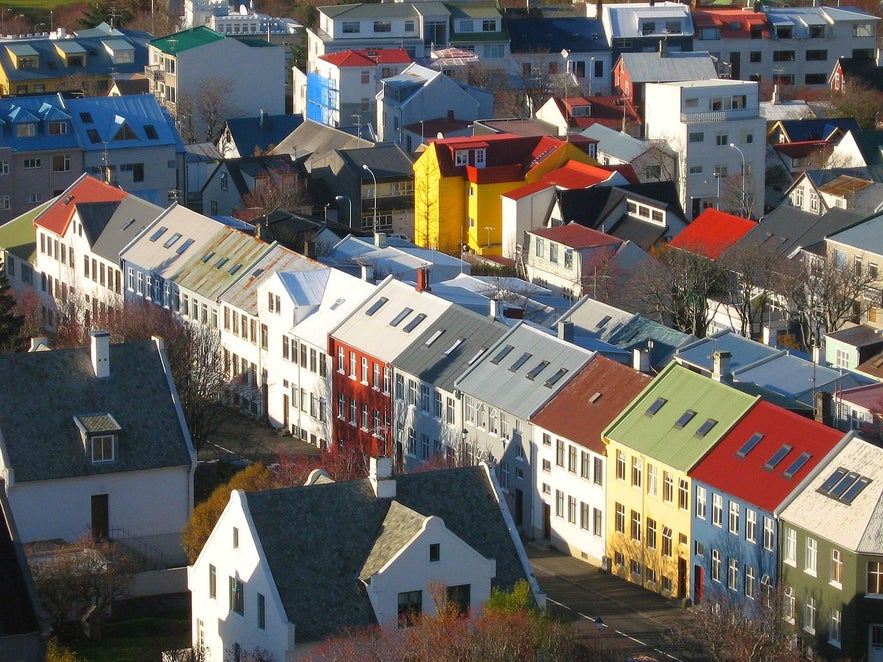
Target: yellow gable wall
653, 506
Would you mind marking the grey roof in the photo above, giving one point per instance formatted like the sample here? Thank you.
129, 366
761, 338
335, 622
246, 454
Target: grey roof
399, 526
370, 10
109, 226
788, 229
321, 592
616, 143
498, 381
866, 236
857, 336
436, 363
385, 160
675, 66
37, 428
743, 351
636, 333
317, 139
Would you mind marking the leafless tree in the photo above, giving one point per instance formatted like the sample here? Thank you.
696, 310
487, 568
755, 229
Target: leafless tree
751, 273
89, 85
273, 191
207, 107
859, 101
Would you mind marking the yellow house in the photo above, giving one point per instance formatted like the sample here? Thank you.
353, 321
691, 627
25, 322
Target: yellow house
651, 447
458, 183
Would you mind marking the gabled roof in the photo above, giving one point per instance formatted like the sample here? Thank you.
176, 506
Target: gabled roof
736, 467
858, 336
318, 139
866, 235
244, 170
862, 70
674, 67
639, 331
443, 351
616, 143
134, 120
252, 134
576, 236
110, 226
732, 22
623, 17
711, 233
186, 39
815, 129
578, 34
136, 394
664, 435
590, 401
19, 236
322, 594
869, 397
699, 354
517, 152
870, 144
523, 378
853, 521
872, 367
367, 57
787, 229
86, 189
386, 160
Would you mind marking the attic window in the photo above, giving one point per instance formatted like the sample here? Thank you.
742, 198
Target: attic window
102, 448
220, 263
521, 361
150, 132
685, 418
159, 233
604, 320
595, 397
797, 465
128, 223
376, 306
125, 133
844, 485
99, 435
94, 136
542, 365
171, 240
656, 406
435, 336
749, 445
208, 256
555, 378
705, 428
86, 118
402, 315
777, 457
502, 354
457, 343
183, 247
414, 323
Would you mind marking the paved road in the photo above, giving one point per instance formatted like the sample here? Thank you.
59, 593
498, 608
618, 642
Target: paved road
635, 621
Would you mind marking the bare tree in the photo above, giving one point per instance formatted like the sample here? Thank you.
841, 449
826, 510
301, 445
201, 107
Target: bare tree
859, 101
273, 191
207, 107
752, 274
89, 85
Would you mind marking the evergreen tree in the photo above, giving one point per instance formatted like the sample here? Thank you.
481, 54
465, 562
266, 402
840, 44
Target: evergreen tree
11, 323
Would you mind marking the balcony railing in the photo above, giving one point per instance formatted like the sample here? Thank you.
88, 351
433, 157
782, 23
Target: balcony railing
719, 115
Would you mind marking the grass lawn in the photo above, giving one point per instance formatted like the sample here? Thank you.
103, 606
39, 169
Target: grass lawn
137, 639
39, 5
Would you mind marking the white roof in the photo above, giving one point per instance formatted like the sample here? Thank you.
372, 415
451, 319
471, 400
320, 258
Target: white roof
615, 143
856, 525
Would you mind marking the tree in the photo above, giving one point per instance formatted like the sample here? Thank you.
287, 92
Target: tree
202, 520
104, 11
56, 652
11, 322
858, 100
275, 190
752, 274
89, 85
206, 107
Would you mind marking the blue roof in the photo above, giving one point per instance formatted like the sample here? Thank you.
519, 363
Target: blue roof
38, 110
577, 34
743, 351
817, 129
99, 119
251, 133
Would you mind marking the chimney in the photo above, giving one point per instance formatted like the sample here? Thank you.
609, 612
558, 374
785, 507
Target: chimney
662, 48
494, 308
721, 368
380, 475
380, 240
367, 273
101, 353
818, 356
775, 99
641, 360
423, 279
38, 342
823, 412
565, 331
599, 12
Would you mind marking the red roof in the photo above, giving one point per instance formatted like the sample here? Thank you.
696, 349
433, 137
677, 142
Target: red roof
746, 477
606, 111
711, 233
731, 22
596, 395
88, 189
574, 235
802, 148
367, 58
527, 189
576, 175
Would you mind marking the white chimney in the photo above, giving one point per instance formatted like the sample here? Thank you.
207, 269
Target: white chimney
494, 309
565, 331
380, 475
101, 353
721, 366
380, 240
641, 360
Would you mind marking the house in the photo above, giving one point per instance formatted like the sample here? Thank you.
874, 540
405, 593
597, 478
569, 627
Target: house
572, 258
852, 345
502, 389
639, 27
578, 114
18, 250
661, 436
864, 148
739, 36
431, 413
818, 191
860, 408
24, 627
351, 174
830, 130
712, 233
256, 185
855, 71
58, 62
317, 140
718, 135
573, 469
343, 84
459, 180
252, 136
738, 490
363, 347
418, 93
651, 162
390, 545
181, 65
860, 245
831, 557
82, 456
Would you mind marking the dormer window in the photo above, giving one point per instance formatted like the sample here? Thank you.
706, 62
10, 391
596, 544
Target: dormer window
99, 434
28, 130
103, 448
461, 157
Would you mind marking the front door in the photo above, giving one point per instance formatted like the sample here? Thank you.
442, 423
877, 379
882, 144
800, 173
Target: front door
547, 521
285, 412
875, 642
682, 577
100, 517
519, 507
697, 584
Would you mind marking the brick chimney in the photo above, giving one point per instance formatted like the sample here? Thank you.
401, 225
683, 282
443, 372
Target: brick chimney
720, 370
823, 413
423, 279
101, 353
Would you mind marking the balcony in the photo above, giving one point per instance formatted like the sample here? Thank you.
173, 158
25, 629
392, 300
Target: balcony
154, 73
719, 115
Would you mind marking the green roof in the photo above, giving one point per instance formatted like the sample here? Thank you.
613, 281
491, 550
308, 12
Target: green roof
660, 436
19, 236
186, 39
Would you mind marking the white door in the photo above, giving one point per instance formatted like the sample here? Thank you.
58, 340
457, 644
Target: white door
875, 642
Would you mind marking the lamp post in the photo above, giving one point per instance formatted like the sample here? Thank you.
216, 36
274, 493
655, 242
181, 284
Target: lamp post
51, 20
566, 54
591, 73
421, 132
38, 26
371, 172
742, 200
341, 198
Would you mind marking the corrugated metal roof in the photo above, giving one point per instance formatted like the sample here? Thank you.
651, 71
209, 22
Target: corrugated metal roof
186, 39
505, 380
674, 67
616, 143
19, 236
743, 351
130, 217
664, 436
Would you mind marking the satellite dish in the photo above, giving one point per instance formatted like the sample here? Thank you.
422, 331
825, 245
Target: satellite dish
243, 10
440, 135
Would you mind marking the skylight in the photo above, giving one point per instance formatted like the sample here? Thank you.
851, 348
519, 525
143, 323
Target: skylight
749, 445
414, 323
502, 354
476, 356
208, 256
337, 304
555, 378
797, 465
457, 343
685, 418
537, 369
236, 267
171, 240
595, 397
435, 336
159, 233
150, 131
844, 485
604, 320
706, 427
521, 361
376, 306
220, 263
402, 315
86, 118
777, 457
183, 247
656, 406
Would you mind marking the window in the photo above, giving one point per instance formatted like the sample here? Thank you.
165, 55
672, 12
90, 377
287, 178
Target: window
734, 518
750, 525
789, 553
722, 140
750, 582
237, 596
783, 56
410, 607
540, 248
571, 509
585, 467
434, 552
811, 556
667, 543
668, 487
733, 574
32, 164
651, 533
636, 526
696, 137
102, 449
620, 518
598, 471
212, 582
717, 509
755, 56
559, 504
769, 534
636, 472
683, 494
809, 614
262, 612
836, 568
620, 465
350, 27
788, 604
701, 496
685, 418
382, 26
835, 622
715, 565
816, 55
571, 459
459, 599
875, 577
61, 163
651, 479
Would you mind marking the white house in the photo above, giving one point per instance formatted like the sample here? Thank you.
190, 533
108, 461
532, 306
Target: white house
106, 429
716, 128
284, 569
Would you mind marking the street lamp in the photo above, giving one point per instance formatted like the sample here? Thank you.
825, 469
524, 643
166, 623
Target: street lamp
371, 172
38, 26
742, 201
341, 198
51, 20
591, 74
566, 54
421, 132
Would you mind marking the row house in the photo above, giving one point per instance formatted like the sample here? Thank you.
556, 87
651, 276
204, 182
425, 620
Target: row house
245, 335
861, 247
363, 347
652, 446
501, 391
571, 462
